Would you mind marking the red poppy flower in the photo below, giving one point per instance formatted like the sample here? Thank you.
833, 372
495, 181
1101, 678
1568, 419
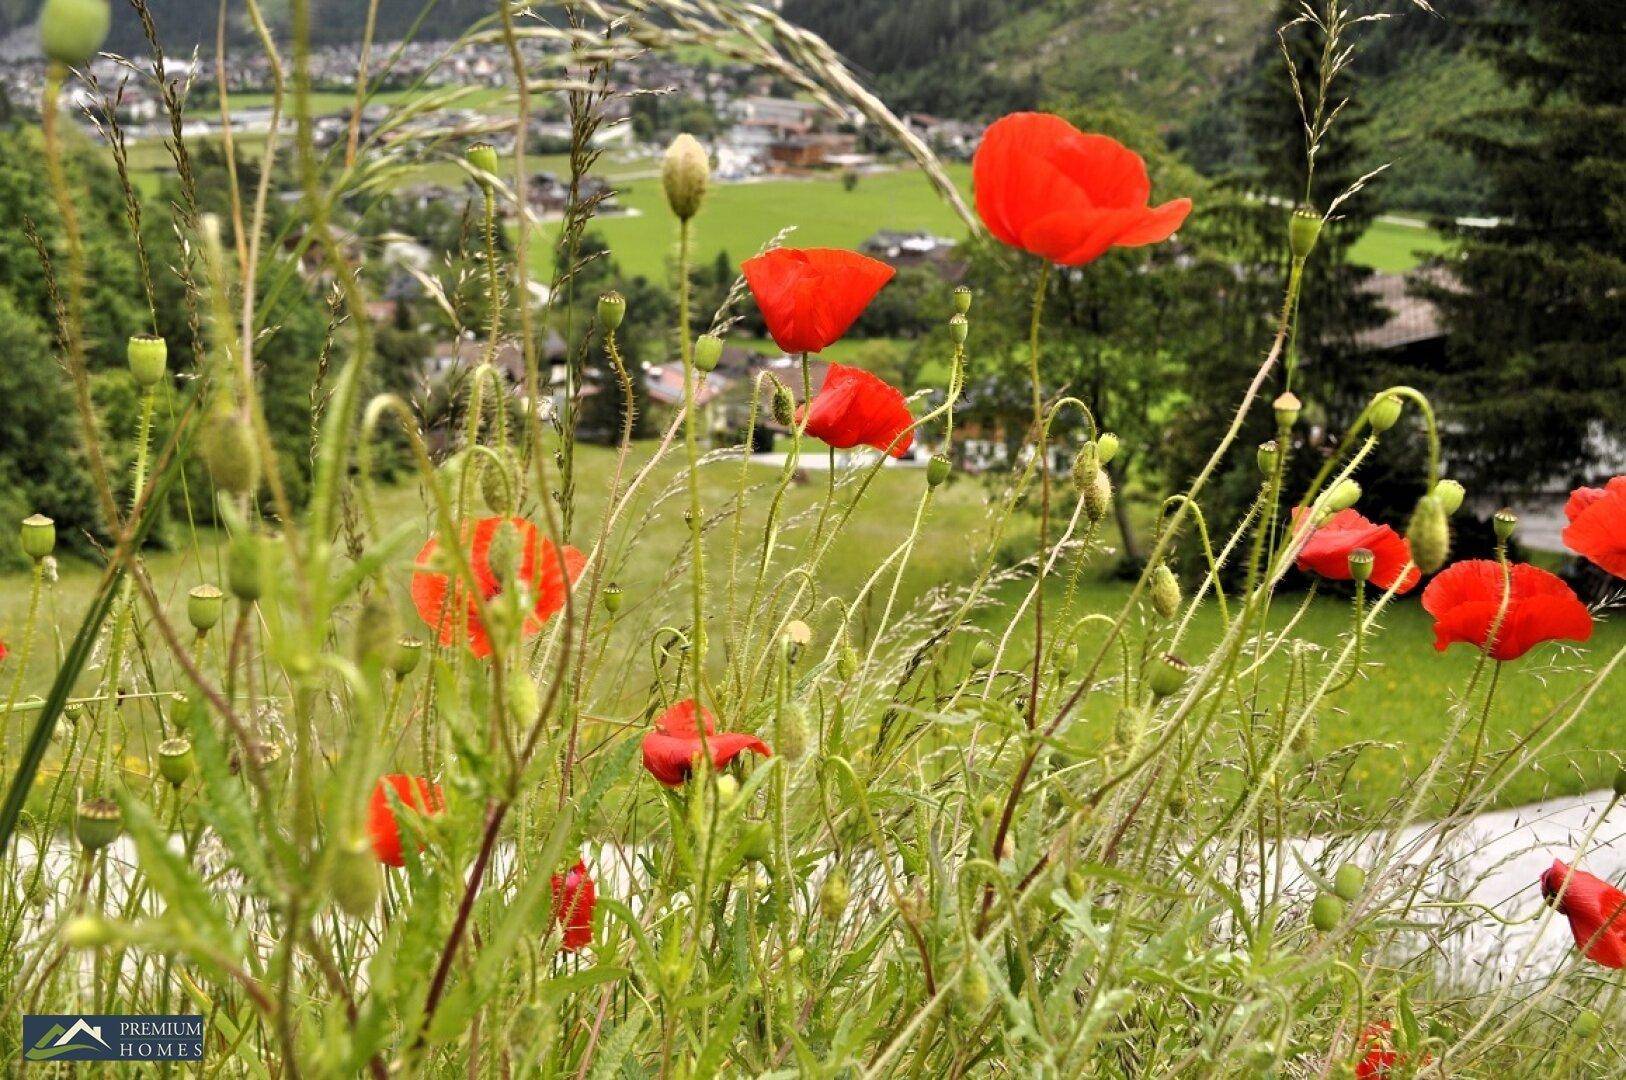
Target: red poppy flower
671, 749
1377, 1050
416, 794
1465, 597
809, 297
1328, 549
539, 568
1048, 188
855, 408
573, 898
1596, 911
1597, 528
4, 652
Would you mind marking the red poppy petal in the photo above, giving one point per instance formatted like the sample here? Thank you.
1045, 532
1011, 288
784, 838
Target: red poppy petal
810, 297
680, 719
415, 793
1598, 531
856, 408
669, 758
1466, 597
1012, 173
729, 745
1596, 911
1156, 224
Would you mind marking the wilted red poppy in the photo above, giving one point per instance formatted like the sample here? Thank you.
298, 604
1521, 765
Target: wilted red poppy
1465, 597
671, 750
1596, 911
573, 900
1597, 528
1048, 188
1328, 549
855, 408
416, 794
538, 567
810, 296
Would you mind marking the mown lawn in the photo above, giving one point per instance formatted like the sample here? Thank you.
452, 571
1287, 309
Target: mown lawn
1394, 245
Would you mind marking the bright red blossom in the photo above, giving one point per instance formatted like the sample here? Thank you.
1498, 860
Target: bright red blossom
671, 750
1050, 189
1378, 1054
4, 652
1327, 551
1597, 528
855, 408
810, 296
1464, 599
539, 568
573, 898
416, 794
1596, 911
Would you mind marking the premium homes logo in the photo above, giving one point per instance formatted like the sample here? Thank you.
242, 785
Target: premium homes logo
113, 1038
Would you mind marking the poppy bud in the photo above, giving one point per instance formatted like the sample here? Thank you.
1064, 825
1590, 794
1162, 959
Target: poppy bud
1164, 589
245, 566
203, 605
1266, 457
1106, 447
973, 989
728, 789
1429, 535
1168, 673
1098, 496
1385, 413
834, 894
524, 701
497, 485
612, 308
98, 823
791, 733
504, 554
959, 328
1449, 494
377, 630
86, 932
912, 906
1504, 523
1326, 913
846, 661
988, 808
784, 407
72, 30
708, 349
482, 156
1303, 229
684, 174
37, 536
229, 452
962, 299
937, 470
1348, 881
175, 760
1287, 408
1345, 494
1077, 886
404, 661
612, 598
1360, 564
357, 877
1084, 467
1587, 1022
982, 654
1177, 804
1620, 782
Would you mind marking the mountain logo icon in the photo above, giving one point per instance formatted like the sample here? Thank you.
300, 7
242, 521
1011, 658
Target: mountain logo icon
59, 1040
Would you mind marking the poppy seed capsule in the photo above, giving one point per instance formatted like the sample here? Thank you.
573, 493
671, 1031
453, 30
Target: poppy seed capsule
482, 156
612, 308
1587, 1023
1106, 447
1345, 494
37, 536
1348, 881
1504, 523
404, 661
1168, 674
962, 299
834, 894
203, 607
708, 350
1429, 535
1287, 408
1267, 455
937, 470
612, 598
229, 452
1164, 589
98, 823
684, 174
357, 878
1360, 564
1326, 913
1385, 413
72, 30
1303, 230
959, 328
1449, 494
175, 760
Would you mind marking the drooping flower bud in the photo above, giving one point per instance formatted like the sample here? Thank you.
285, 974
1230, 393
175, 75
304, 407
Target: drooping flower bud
791, 734
1167, 674
1164, 589
959, 328
685, 173
37, 536
1449, 494
72, 30
1106, 447
962, 299
98, 823
784, 406
1267, 455
972, 994
1085, 466
147, 356
612, 598
505, 552
524, 699
357, 877
404, 660
1303, 230
246, 559
1503, 523
612, 308
203, 607
1098, 496
1326, 913
1360, 564
982, 653
377, 630
1287, 408
175, 760
708, 350
846, 661
1345, 494
1385, 413
937, 470
483, 156
834, 894
1348, 881
229, 451
1429, 535
498, 480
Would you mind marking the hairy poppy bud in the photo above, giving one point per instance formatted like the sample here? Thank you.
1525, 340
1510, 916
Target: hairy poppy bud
377, 630
1449, 494
72, 30
1267, 456
37, 536
1106, 447
98, 823
937, 470
1164, 589
87, 932
1620, 782
1168, 673
959, 328
203, 606
1098, 496
612, 598
982, 653
846, 661
1361, 561
973, 989
1287, 408
612, 308
404, 660
504, 554
791, 733
175, 761
684, 174
229, 452
708, 350
988, 808
1085, 466
1303, 230
1077, 886
1385, 413
245, 565
1348, 881
1429, 535
147, 356
1345, 494
962, 299
483, 156
497, 485
1504, 523
1326, 912
834, 894
784, 407
357, 877
1177, 803
524, 700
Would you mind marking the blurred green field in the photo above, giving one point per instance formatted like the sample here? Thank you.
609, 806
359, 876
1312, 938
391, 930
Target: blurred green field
1393, 245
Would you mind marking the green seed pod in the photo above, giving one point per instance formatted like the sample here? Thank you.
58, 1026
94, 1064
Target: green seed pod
357, 878
1085, 466
1098, 496
685, 172
37, 536
1303, 229
1449, 494
1326, 913
98, 823
708, 350
72, 30
1268, 454
988, 808
1348, 881
962, 299
377, 630
175, 760
834, 894
1360, 564
791, 733
1504, 523
1429, 535
1385, 413
1106, 447
1620, 782
524, 700
1167, 674
973, 992
1177, 804
612, 308
959, 328
86, 932
203, 607
1287, 408
148, 356
505, 553
498, 483
784, 407
246, 572
229, 452
937, 470
1587, 1022
1345, 494
982, 654
404, 660
1077, 886
483, 156
1164, 589
74, 711
846, 661
612, 598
